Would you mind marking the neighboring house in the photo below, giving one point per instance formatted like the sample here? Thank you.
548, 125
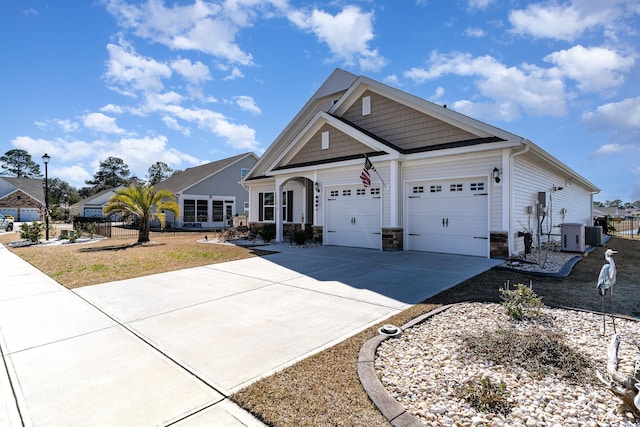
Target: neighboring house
210, 195
615, 212
443, 182
22, 198
93, 206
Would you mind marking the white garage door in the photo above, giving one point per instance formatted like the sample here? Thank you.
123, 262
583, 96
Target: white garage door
92, 212
353, 217
448, 216
29, 214
10, 211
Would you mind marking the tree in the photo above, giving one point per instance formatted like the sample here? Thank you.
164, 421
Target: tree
61, 196
144, 202
158, 172
614, 203
113, 172
18, 163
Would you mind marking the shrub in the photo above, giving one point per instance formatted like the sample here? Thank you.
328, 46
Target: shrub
32, 232
299, 236
520, 302
486, 396
541, 352
268, 232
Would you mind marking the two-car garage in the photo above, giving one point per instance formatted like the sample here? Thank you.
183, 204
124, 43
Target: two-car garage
446, 216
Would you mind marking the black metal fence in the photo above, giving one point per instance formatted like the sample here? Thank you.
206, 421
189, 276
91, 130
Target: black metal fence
620, 226
106, 227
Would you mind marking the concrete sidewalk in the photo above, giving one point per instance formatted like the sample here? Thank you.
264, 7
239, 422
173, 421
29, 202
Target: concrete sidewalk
170, 348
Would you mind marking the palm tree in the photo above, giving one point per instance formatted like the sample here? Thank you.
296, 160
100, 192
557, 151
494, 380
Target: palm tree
147, 204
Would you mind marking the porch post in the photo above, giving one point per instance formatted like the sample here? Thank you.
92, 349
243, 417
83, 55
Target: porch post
278, 211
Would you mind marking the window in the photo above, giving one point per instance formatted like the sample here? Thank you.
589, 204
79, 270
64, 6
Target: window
335, 193
287, 206
418, 189
217, 211
325, 140
189, 211
374, 191
435, 189
346, 192
246, 208
243, 172
266, 203
455, 187
477, 186
361, 192
366, 105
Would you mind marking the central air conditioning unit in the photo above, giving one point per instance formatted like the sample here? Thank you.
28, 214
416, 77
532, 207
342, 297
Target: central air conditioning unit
593, 235
572, 236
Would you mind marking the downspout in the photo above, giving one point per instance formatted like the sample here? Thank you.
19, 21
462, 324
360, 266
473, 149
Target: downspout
512, 195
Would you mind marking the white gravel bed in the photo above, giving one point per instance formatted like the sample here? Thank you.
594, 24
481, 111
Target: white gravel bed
425, 366
541, 262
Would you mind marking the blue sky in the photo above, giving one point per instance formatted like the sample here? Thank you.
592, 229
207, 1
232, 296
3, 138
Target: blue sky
185, 82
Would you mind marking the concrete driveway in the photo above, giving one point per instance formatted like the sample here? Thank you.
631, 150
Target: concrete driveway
170, 348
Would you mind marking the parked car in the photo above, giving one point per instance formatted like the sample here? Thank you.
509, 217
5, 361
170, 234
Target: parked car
6, 223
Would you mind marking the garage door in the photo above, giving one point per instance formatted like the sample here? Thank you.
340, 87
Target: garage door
10, 211
353, 217
29, 214
92, 212
448, 216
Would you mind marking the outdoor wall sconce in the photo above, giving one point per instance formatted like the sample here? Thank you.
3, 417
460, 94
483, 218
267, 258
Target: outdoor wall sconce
496, 175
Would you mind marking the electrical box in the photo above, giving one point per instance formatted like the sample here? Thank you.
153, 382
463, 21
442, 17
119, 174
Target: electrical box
572, 236
542, 198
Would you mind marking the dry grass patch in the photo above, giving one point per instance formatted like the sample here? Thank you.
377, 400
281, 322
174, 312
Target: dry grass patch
76, 265
321, 390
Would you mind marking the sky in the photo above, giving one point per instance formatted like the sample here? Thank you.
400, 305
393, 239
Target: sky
186, 82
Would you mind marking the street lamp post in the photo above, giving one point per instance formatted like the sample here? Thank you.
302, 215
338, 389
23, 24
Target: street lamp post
46, 159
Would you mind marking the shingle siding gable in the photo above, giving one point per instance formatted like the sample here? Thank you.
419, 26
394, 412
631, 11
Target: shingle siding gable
403, 126
340, 145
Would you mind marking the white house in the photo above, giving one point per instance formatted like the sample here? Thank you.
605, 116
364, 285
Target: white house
441, 181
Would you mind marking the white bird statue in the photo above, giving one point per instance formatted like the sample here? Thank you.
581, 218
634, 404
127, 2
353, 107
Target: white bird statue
607, 277
606, 280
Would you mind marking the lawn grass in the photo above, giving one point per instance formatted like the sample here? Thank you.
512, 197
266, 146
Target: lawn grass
324, 389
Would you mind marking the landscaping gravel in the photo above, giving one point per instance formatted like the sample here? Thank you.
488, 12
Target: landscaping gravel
425, 367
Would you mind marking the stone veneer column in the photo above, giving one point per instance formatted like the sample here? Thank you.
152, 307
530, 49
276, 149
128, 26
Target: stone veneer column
392, 239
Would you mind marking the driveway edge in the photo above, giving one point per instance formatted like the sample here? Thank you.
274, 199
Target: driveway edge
392, 410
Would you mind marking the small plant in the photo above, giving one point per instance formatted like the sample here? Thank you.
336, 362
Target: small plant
486, 396
268, 232
299, 236
91, 228
78, 231
520, 302
31, 232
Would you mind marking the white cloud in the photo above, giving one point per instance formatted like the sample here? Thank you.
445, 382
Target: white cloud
596, 69
613, 149
622, 116
101, 123
202, 26
474, 32
195, 73
132, 72
536, 90
247, 103
569, 20
75, 175
347, 34
114, 109
479, 4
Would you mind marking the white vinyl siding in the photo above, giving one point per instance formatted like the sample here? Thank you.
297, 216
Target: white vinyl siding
530, 178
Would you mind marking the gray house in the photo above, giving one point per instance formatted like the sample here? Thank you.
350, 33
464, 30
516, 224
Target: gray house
21, 198
93, 206
210, 195
367, 165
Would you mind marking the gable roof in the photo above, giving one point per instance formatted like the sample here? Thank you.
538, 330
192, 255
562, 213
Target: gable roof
338, 99
191, 176
34, 188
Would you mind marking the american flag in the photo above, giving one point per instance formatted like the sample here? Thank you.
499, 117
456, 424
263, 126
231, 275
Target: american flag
364, 175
